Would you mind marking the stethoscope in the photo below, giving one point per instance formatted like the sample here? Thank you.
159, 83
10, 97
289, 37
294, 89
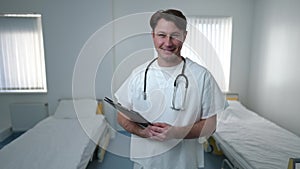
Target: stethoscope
175, 85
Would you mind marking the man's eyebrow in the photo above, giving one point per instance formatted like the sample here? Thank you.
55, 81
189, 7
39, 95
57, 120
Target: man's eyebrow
176, 33
160, 32
172, 33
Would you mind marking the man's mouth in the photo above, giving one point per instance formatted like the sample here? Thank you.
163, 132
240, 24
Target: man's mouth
172, 50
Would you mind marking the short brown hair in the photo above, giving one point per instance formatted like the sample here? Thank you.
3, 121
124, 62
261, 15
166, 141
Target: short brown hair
172, 15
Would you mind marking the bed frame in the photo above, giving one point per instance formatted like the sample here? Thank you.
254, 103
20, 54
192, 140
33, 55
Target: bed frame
234, 160
274, 148
44, 145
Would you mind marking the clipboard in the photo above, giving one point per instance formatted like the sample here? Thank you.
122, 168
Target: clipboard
131, 114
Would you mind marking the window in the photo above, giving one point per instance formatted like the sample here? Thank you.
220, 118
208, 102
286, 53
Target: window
22, 62
209, 43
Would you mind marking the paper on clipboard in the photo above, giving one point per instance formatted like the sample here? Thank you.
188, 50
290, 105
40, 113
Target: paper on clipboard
131, 114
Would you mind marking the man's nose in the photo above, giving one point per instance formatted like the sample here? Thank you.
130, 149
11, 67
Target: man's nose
169, 41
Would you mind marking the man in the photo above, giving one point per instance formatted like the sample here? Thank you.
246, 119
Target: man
180, 114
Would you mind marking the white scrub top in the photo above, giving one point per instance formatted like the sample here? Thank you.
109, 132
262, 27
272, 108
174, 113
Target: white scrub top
203, 100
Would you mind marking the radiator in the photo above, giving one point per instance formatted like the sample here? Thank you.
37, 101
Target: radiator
25, 115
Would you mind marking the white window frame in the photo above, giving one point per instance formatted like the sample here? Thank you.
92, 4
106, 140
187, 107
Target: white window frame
208, 43
22, 60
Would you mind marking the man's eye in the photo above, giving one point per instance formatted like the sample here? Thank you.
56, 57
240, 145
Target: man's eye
161, 35
175, 36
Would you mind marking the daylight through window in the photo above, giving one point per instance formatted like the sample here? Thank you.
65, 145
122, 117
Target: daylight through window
209, 43
22, 63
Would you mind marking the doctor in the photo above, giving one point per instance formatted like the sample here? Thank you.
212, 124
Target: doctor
180, 98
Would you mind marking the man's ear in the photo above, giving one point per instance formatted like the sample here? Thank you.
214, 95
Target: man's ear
184, 35
153, 34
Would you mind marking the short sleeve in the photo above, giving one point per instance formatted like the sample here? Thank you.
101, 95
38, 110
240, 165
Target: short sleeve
213, 100
131, 87
123, 94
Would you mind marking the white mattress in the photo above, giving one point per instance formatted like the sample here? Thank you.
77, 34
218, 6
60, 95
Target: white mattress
259, 142
54, 144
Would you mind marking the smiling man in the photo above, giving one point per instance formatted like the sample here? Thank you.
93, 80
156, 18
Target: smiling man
179, 97
168, 39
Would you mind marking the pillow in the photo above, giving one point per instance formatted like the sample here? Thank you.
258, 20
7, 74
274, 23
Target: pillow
78, 108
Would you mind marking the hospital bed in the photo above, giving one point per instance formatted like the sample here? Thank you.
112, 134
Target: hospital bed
250, 141
66, 140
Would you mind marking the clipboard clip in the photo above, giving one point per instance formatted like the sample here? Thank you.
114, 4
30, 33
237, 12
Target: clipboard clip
118, 106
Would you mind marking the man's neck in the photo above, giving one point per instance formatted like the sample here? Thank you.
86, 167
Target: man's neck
165, 62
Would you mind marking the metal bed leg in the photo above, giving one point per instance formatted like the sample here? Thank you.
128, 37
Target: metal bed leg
102, 150
225, 161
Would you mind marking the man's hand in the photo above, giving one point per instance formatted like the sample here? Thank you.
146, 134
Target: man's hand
160, 131
201, 128
163, 131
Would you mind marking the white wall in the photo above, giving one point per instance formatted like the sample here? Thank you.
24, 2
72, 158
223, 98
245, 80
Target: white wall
274, 78
68, 24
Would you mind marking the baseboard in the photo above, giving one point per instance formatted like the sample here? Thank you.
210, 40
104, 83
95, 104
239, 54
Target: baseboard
4, 133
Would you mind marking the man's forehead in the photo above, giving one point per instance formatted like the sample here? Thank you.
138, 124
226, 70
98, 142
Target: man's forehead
167, 27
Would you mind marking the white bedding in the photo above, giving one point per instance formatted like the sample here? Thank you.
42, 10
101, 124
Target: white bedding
261, 143
54, 143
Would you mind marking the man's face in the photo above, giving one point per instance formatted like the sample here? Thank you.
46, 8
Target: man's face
168, 39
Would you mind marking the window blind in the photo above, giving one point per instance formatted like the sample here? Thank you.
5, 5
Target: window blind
22, 63
209, 43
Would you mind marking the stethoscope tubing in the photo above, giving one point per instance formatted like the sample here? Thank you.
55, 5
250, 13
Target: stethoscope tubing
145, 78
175, 84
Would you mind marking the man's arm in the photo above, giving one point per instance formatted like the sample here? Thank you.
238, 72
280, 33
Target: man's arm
204, 127
201, 128
163, 131
132, 127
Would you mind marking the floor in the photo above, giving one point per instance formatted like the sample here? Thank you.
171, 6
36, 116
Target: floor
113, 161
